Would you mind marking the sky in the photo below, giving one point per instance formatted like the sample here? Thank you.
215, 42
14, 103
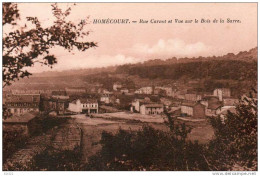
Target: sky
136, 42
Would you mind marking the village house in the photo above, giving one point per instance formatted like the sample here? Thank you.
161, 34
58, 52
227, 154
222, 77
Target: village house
103, 91
58, 104
151, 109
193, 109
75, 106
81, 105
105, 98
213, 108
117, 86
22, 103
192, 97
24, 124
89, 106
212, 104
117, 101
135, 106
144, 90
168, 90
222, 93
136, 103
208, 100
124, 91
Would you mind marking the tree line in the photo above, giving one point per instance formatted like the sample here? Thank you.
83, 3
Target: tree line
213, 69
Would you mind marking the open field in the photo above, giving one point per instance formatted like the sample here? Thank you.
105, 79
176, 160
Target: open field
111, 122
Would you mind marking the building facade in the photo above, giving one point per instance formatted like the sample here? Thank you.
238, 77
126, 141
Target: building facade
87, 106
151, 109
221, 93
105, 98
192, 97
195, 110
117, 86
144, 90
20, 104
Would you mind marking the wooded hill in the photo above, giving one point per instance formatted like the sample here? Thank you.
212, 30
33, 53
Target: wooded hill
242, 66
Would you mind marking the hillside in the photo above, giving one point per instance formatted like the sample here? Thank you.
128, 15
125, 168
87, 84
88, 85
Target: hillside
246, 56
238, 72
212, 69
75, 72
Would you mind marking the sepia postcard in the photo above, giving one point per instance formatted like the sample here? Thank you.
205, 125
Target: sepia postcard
130, 87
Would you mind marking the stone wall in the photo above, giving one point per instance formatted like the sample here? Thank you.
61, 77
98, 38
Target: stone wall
65, 137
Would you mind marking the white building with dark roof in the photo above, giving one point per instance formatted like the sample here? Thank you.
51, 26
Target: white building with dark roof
151, 109
81, 105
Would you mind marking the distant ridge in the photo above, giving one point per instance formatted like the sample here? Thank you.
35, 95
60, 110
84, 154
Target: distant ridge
248, 56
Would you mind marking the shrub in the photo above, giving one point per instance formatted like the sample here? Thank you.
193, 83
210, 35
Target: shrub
54, 160
235, 140
12, 140
147, 149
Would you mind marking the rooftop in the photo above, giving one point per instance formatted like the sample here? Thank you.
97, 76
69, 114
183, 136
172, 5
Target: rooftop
153, 105
84, 100
24, 98
214, 105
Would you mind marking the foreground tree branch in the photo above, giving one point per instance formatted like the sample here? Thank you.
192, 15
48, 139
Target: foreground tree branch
24, 47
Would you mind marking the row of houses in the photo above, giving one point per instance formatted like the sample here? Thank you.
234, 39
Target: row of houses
146, 107
196, 105
191, 105
19, 104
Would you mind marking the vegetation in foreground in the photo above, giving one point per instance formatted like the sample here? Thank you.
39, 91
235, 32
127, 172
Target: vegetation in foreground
14, 140
233, 148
